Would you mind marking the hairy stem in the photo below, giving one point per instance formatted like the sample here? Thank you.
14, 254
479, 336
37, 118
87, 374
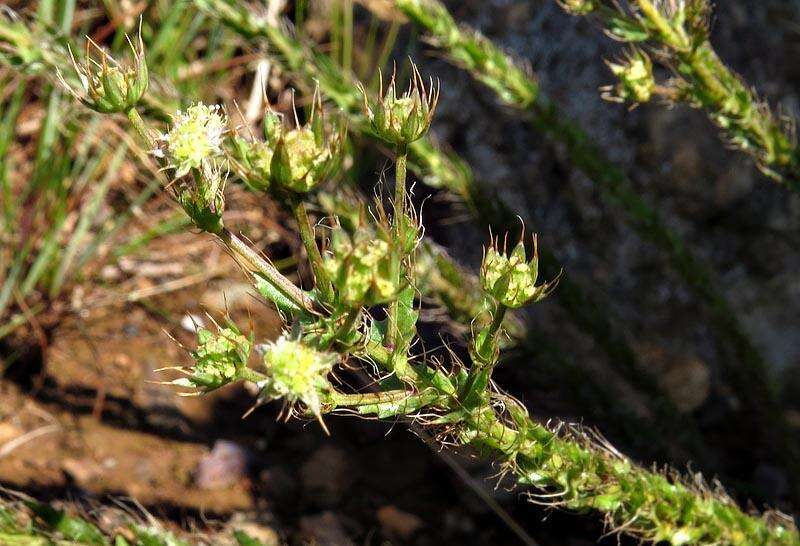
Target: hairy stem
141, 128
398, 226
323, 281
269, 271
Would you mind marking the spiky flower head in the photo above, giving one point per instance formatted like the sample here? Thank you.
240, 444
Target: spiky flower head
297, 373
219, 359
361, 268
400, 120
109, 86
195, 137
636, 81
511, 278
305, 155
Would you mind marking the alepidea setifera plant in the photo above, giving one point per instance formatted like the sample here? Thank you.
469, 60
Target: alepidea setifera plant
332, 329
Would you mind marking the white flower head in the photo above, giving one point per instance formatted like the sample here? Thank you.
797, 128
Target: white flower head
297, 372
195, 137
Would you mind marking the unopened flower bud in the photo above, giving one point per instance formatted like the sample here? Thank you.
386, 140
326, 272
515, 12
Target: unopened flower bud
301, 162
511, 279
400, 120
196, 136
636, 82
297, 372
272, 127
108, 86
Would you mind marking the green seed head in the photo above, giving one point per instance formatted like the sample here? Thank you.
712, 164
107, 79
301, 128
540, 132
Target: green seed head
361, 270
195, 137
297, 372
400, 120
301, 162
511, 279
108, 86
305, 156
636, 82
219, 358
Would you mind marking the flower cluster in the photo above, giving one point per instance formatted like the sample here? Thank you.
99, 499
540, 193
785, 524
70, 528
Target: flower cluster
196, 136
361, 269
511, 278
635, 74
295, 159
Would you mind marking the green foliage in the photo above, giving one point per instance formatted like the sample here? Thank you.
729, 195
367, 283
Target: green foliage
32, 523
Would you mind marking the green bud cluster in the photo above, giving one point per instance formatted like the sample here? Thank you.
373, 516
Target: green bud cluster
295, 159
510, 278
303, 158
361, 268
401, 120
252, 162
220, 359
108, 86
635, 74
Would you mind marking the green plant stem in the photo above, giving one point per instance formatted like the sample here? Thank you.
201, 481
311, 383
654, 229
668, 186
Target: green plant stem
323, 281
269, 271
497, 320
401, 162
580, 475
350, 320
251, 375
340, 399
398, 225
141, 128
